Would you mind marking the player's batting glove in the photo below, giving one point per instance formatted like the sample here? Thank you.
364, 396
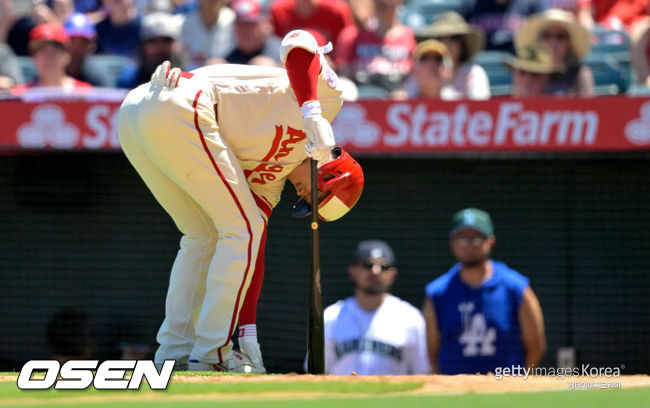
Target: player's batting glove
164, 76
320, 137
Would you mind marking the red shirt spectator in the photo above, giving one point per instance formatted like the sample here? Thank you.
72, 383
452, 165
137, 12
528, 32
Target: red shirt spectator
47, 45
327, 16
616, 14
367, 57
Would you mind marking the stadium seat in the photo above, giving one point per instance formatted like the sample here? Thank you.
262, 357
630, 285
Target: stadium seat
109, 66
498, 74
27, 68
610, 76
638, 90
418, 14
373, 92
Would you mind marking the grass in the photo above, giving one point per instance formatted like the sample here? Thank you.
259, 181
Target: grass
334, 393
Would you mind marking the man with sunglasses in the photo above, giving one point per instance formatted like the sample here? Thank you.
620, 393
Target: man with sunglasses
374, 332
481, 314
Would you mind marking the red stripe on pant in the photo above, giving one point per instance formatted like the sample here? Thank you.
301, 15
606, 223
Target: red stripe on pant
248, 314
235, 311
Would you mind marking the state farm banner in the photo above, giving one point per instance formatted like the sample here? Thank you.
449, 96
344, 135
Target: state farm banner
381, 127
525, 125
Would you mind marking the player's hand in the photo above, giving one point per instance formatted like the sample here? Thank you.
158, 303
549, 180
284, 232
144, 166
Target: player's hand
320, 138
164, 76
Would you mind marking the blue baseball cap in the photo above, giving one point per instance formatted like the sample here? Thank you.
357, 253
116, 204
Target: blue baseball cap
368, 251
79, 25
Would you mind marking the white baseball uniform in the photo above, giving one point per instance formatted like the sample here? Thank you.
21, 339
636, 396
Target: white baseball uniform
389, 340
215, 152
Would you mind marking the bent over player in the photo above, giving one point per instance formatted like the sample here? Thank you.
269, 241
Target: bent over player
215, 147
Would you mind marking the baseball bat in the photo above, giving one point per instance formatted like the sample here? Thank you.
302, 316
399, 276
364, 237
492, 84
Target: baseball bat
316, 334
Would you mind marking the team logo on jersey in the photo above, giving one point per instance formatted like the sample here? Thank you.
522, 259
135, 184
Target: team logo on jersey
476, 337
282, 146
370, 345
330, 76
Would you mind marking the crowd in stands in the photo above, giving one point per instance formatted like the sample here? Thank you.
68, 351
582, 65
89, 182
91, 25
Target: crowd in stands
389, 49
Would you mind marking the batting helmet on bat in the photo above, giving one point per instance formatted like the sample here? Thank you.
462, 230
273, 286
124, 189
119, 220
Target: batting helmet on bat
343, 178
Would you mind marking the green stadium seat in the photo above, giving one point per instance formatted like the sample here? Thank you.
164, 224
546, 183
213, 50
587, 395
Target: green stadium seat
638, 90
418, 14
27, 68
610, 76
373, 92
498, 74
109, 66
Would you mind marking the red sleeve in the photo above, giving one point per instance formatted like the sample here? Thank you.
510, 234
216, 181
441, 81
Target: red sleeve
303, 68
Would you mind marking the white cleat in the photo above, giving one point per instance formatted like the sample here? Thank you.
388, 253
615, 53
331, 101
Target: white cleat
237, 363
251, 348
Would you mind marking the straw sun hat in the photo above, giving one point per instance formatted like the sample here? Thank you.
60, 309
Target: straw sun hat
451, 23
533, 27
533, 58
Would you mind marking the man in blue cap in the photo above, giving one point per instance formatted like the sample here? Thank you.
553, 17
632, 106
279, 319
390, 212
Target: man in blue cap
374, 332
481, 315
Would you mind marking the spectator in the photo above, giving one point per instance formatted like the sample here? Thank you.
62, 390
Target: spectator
10, 73
381, 55
329, 17
254, 39
568, 43
158, 33
15, 28
613, 14
432, 70
374, 332
481, 314
82, 43
463, 41
531, 70
47, 44
70, 335
640, 51
117, 33
500, 19
207, 32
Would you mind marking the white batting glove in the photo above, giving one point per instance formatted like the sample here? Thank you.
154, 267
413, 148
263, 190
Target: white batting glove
320, 137
164, 76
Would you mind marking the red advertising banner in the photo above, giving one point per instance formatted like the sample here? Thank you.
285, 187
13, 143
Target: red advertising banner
417, 126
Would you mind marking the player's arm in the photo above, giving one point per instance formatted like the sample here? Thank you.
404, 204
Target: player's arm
419, 363
432, 333
531, 323
301, 56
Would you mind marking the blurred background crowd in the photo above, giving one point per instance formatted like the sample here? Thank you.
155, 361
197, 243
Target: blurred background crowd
386, 49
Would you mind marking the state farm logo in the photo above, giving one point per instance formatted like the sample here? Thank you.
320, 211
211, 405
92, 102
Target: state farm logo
351, 126
48, 128
638, 130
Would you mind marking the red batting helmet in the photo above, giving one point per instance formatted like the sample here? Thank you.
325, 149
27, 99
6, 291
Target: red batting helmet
343, 178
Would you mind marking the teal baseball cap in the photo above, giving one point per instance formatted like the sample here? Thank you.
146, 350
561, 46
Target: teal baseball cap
474, 219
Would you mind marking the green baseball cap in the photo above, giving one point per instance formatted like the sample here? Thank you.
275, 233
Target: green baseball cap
472, 218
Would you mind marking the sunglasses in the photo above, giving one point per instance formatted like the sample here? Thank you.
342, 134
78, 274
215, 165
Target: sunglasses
465, 241
455, 37
549, 35
431, 57
369, 265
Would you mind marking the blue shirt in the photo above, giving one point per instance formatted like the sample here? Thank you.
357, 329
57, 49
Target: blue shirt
479, 326
123, 40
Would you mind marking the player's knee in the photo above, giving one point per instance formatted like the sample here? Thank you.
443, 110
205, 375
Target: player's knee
199, 241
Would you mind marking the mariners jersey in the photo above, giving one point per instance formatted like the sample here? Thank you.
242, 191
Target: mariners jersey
479, 326
389, 340
260, 120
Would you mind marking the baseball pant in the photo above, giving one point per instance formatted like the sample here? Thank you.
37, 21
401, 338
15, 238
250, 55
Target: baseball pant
172, 139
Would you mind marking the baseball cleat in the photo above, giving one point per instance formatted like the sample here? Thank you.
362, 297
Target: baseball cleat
237, 363
250, 348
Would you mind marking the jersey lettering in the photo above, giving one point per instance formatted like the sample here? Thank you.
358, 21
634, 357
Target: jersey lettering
282, 146
372, 346
477, 338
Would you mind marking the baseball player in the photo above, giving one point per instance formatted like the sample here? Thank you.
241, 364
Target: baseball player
215, 147
374, 332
